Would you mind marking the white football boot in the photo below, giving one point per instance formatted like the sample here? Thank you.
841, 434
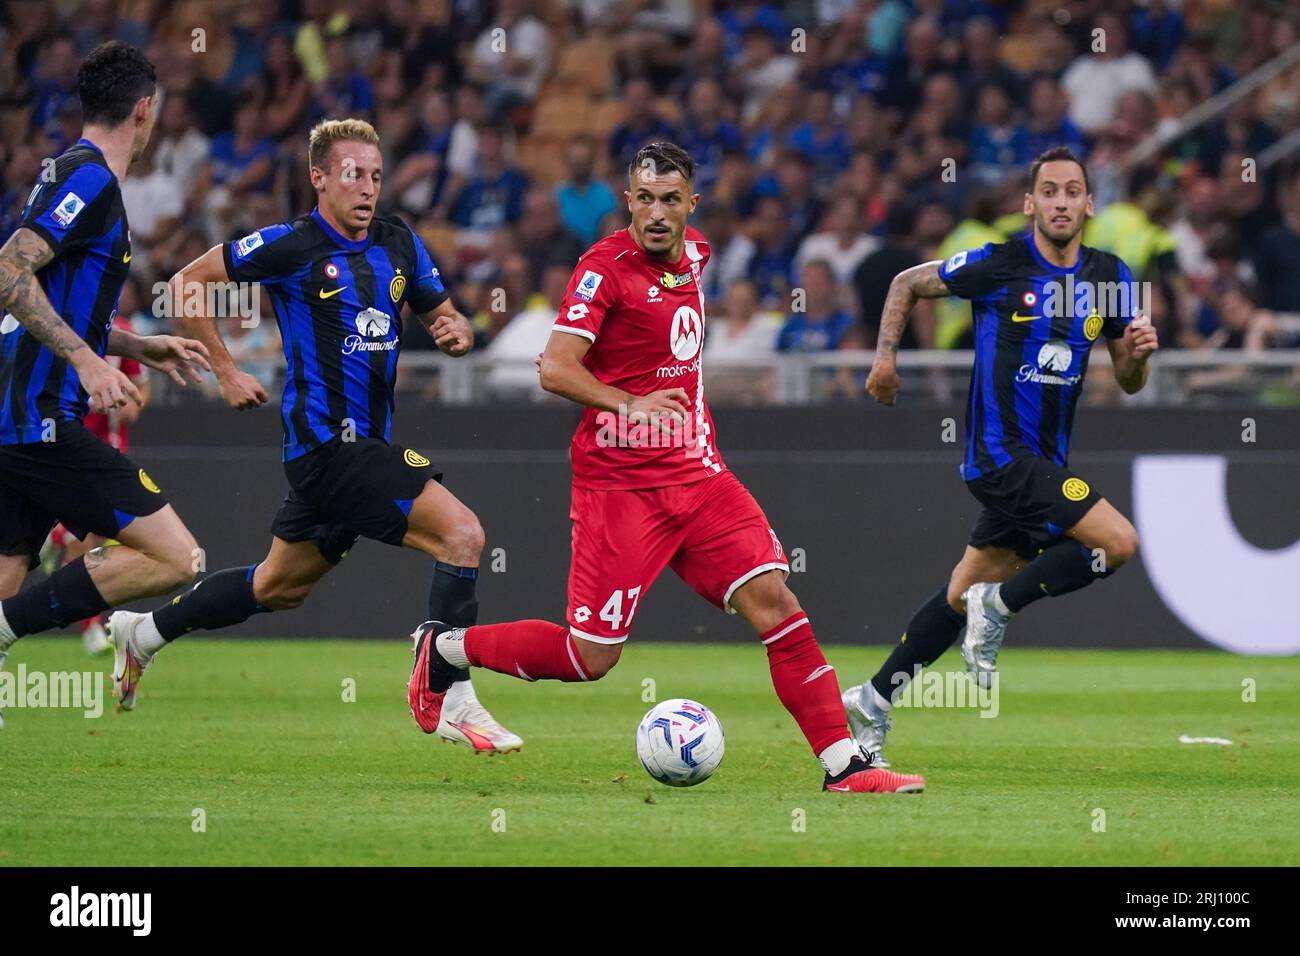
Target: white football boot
465, 721
95, 638
867, 721
129, 663
986, 628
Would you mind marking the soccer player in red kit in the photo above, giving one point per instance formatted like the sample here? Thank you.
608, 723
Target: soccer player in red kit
650, 489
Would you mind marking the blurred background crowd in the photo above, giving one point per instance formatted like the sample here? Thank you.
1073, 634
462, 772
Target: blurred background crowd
838, 142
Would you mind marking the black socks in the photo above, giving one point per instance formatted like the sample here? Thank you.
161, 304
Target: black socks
64, 598
219, 600
452, 600
933, 629
1064, 567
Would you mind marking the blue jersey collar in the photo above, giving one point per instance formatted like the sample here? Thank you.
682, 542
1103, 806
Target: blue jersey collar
1042, 261
352, 245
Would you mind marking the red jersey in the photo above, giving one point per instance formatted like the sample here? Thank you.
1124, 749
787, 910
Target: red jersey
645, 320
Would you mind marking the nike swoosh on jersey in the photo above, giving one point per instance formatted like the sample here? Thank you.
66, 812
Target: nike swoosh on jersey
1017, 317
326, 295
126, 257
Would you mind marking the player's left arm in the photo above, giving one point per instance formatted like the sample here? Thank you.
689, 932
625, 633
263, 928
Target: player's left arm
450, 330
172, 354
1129, 353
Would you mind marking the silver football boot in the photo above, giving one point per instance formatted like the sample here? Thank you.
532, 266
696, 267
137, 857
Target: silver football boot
986, 628
868, 722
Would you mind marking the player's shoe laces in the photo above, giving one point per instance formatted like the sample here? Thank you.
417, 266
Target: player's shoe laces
95, 638
466, 721
426, 705
865, 775
986, 628
868, 722
129, 663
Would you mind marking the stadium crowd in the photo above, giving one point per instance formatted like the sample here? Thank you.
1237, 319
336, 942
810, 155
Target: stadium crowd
838, 142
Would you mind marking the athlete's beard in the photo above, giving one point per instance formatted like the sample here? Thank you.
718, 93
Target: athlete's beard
1044, 224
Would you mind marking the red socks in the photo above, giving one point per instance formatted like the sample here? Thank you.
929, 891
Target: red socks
805, 683
533, 650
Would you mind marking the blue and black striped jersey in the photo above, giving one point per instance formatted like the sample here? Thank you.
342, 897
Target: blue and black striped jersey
77, 209
339, 305
1035, 325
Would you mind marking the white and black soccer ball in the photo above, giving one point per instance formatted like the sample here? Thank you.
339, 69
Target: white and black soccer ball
680, 742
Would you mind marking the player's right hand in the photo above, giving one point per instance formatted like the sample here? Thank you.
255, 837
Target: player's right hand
882, 383
663, 408
107, 387
241, 390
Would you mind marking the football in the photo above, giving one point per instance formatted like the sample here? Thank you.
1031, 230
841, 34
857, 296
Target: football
680, 742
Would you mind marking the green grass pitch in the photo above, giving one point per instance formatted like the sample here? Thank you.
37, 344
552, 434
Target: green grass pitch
258, 736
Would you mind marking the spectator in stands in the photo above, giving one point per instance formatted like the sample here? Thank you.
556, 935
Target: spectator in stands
1158, 31
750, 16
776, 122
345, 91
643, 124
419, 179
762, 67
241, 166
56, 84
1098, 78
822, 138
706, 134
520, 341
792, 182
843, 245
286, 89
921, 60
770, 259
706, 59
100, 21
584, 199
494, 196
508, 294
155, 205
511, 65
996, 141
739, 345
543, 239
182, 147
1047, 124
823, 323
1277, 255
980, 64
873, 276
19, 173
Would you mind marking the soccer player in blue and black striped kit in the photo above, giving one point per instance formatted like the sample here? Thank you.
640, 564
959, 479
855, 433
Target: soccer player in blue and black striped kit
61, 274
338, 279
1039, 303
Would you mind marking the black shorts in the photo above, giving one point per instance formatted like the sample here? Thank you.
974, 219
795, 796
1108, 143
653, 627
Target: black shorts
77, 479
344, 490
1028, 504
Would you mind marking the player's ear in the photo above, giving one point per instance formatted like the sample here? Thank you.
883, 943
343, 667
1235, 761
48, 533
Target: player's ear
695, 201
627, 194
1029, 204
1087, 209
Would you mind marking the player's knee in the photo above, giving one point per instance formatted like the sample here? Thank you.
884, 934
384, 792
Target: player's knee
598, 659
1122, 547
284, 595
177, 569
464, 541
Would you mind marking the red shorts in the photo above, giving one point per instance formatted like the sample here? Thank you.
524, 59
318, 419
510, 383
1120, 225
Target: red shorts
711, 532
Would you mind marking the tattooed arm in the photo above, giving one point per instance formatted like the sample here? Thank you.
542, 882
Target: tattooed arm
21, 295
918, 282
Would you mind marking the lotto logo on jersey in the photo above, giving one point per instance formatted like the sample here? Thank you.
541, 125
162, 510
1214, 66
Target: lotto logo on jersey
687, 334
246, 245
68, 209
586, 289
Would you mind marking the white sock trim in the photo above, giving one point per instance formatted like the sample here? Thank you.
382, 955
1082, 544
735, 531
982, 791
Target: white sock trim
786, 630
451, 645
148, 641
835, 758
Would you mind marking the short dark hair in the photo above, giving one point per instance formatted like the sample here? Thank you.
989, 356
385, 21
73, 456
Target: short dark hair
111, 80
663, 158
1054, 155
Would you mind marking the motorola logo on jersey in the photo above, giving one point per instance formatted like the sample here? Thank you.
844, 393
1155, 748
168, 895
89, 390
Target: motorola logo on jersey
371, 325
687, 334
